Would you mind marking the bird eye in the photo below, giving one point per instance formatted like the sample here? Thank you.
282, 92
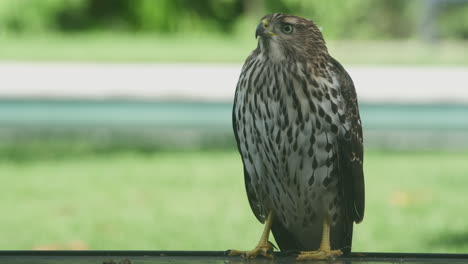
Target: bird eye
287, 28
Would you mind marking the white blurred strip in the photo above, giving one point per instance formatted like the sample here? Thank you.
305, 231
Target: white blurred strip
411, 84
213, 82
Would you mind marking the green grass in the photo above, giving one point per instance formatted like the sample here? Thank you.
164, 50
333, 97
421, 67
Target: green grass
196, 201
211, 48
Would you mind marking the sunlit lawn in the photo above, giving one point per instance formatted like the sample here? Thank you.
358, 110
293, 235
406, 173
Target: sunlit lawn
195, 201
212, 48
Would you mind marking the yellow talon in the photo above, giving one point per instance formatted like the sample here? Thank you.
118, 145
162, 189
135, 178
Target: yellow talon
324, 252
263, 248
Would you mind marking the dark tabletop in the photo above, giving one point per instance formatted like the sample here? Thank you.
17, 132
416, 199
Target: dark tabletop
176, 257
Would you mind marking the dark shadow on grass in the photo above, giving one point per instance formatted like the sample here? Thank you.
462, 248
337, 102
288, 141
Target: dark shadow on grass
32, 144
450, 238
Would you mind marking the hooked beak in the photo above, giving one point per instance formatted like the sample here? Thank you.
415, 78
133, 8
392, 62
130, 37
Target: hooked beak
262, 29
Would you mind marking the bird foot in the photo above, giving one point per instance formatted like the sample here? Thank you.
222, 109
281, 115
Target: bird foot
319, 255
265, 250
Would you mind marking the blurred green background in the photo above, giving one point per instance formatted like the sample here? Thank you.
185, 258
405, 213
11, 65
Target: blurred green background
379, 31
158, 174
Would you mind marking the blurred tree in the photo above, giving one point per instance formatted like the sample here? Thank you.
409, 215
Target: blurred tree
428, 25
364, 19
165, 16
453, 19
32, 15
253, 8
283, 6
361, 18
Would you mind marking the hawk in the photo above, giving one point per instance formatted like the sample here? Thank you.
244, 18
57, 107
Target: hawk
298, 130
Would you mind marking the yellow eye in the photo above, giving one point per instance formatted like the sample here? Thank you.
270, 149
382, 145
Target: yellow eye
287, 29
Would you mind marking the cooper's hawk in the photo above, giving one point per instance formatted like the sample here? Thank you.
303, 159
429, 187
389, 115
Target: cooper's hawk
298, 130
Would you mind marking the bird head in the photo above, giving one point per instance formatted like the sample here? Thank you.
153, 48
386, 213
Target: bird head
283, 36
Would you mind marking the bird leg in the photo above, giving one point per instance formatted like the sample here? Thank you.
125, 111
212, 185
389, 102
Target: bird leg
263, 248
324, 252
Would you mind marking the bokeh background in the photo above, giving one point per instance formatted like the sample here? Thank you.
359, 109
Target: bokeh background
115, 121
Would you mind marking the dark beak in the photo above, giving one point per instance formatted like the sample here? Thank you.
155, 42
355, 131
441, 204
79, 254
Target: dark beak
260, 30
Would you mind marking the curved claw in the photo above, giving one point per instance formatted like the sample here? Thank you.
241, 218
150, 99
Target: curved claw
265, 251
264, 247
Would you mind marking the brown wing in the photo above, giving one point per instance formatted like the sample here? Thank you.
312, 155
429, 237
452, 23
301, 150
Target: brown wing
257, 209
251, 195
351, 153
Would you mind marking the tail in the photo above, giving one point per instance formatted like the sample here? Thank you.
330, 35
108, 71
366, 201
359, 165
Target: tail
284, 239
341, 236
